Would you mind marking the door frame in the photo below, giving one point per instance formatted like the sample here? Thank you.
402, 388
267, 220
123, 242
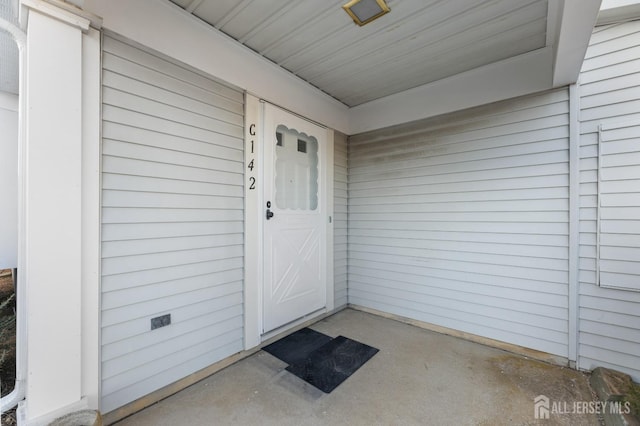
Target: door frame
254, 223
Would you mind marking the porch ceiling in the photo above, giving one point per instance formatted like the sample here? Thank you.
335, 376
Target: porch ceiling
417, 43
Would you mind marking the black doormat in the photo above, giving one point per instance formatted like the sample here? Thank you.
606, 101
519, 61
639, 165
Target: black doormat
319, 360
296, 347
333, 363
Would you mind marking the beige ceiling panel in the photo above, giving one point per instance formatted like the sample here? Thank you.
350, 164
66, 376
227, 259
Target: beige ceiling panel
443, 67
336, 24
185, 3
215, 11
252, 16
418, 42
299, 18
412, 70
430, 39
337, 48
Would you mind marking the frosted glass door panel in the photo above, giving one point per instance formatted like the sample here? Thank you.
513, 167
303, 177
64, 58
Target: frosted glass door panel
296, 173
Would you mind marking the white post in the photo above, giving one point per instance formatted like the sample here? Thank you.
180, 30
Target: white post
574, 224
53, 211
91, 156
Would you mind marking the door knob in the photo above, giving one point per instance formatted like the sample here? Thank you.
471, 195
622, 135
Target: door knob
269, 214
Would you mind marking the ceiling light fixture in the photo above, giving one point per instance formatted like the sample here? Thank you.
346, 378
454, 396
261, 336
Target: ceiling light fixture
364, 11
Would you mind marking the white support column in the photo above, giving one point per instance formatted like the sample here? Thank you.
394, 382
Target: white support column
91, 71
574, 223
53, 196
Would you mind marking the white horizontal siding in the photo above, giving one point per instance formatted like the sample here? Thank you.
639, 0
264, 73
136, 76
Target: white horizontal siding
619, 205
609, 94
462, 221
172, 222
340, 198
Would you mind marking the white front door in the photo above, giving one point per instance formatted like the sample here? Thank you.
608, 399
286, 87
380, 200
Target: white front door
295, 218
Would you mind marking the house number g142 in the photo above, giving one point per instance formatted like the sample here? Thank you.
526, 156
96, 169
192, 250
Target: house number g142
251, 166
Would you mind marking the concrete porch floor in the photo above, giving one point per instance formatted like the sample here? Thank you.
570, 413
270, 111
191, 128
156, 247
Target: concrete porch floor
418, 377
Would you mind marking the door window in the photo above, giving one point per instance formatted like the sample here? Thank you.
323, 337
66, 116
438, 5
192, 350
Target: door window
296, 170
